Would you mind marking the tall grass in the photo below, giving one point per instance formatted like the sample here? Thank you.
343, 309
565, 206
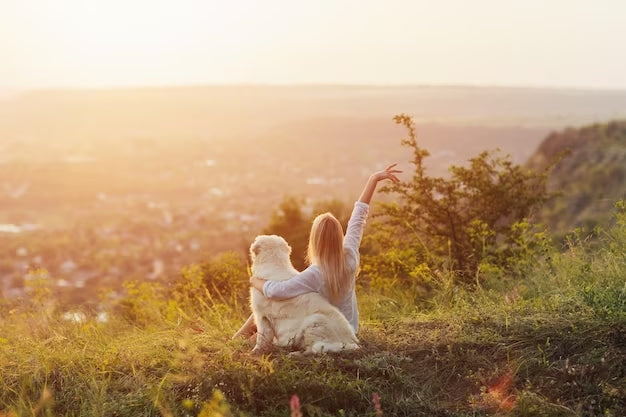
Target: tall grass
551, 344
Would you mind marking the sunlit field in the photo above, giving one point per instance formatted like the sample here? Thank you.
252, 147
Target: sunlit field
551, 344
126, 217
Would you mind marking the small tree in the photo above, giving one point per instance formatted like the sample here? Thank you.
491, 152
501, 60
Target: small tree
293, 223
290, 222
453, 223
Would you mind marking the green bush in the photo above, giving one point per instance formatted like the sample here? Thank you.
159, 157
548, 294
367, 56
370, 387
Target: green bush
455, 224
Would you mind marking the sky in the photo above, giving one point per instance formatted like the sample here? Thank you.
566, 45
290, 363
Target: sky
93, 43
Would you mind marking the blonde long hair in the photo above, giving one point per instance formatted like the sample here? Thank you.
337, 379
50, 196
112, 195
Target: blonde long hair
326, 251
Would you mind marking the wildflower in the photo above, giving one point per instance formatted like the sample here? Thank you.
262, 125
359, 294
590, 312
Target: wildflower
376, 401
295, 406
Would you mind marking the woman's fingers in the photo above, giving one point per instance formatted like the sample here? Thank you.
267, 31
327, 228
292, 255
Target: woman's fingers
389, 172
390, 168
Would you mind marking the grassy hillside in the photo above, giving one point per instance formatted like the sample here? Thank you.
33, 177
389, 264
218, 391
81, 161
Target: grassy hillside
132, 206
590, 177
552, 345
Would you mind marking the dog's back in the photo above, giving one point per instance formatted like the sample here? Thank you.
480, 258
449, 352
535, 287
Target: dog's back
307, 321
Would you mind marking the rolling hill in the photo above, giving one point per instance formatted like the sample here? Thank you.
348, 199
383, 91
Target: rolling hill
589, 178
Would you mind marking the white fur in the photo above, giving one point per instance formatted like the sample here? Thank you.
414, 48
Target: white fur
307, 322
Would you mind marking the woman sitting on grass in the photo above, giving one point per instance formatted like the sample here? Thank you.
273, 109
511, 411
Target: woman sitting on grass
334, 260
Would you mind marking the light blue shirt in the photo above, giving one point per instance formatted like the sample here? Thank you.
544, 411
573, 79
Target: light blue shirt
311, 279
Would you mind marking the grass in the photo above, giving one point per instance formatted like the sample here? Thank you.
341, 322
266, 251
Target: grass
553, 344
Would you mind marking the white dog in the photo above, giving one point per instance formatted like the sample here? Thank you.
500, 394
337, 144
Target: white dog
307, 322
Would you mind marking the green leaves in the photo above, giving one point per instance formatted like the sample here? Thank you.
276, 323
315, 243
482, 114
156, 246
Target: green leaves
459, 221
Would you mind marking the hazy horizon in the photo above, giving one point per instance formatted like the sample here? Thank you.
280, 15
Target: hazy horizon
9, 90
116, 44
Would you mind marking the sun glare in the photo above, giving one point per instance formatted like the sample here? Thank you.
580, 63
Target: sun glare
87, 43
120, 42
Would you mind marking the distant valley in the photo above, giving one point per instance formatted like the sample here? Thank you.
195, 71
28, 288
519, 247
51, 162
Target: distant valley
101, 186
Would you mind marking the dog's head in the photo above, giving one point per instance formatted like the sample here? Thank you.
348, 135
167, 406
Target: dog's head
269, 247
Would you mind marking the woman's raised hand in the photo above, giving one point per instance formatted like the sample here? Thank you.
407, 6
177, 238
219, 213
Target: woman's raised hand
387, 174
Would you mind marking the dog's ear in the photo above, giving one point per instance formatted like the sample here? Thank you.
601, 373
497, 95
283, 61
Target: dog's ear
254, 248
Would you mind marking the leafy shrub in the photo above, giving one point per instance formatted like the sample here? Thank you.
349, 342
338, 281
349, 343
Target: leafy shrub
143, 303
199, 290
457, 223
227, 277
